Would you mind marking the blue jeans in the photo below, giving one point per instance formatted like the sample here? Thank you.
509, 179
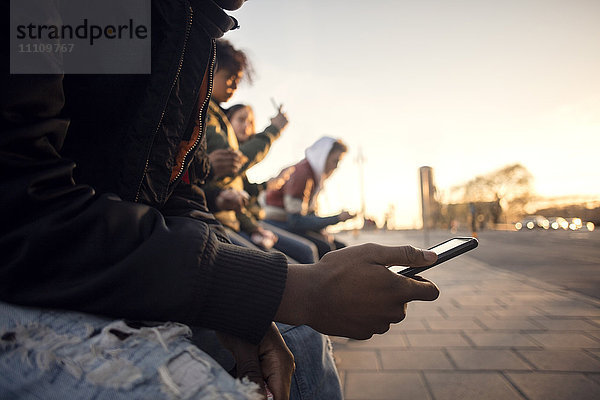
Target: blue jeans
316, 376
297, 247
319, 240
68, 355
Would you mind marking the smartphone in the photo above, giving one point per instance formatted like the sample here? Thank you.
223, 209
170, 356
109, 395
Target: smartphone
445, 251
276, 105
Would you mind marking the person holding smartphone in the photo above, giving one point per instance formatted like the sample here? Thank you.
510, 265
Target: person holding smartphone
229, 158
313, 359
124, 260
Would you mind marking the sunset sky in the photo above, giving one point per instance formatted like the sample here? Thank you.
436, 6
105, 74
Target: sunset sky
465, 87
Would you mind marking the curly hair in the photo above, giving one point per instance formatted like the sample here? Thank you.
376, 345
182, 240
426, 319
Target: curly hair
233, 60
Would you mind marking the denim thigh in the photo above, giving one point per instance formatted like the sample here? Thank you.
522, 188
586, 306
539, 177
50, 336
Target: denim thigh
315, 377
49, 354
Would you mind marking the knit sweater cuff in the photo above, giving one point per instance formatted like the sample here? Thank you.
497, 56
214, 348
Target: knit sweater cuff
245, 290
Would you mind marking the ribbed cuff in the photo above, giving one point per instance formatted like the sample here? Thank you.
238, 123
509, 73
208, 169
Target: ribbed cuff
244, 291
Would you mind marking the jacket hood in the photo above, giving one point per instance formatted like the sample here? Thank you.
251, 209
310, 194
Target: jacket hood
316, 155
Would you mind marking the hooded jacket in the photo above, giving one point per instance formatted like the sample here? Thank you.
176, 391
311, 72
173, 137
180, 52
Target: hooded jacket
296, 201
121, 235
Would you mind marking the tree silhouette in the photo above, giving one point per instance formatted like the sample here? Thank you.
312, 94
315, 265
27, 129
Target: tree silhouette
509, 186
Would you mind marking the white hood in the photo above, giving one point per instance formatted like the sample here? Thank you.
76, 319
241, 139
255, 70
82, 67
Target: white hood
316, 155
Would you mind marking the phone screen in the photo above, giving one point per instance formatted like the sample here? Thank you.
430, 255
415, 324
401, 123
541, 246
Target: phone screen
445, 251
450, 244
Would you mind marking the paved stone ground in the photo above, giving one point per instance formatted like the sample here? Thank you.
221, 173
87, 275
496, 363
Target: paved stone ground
491, 335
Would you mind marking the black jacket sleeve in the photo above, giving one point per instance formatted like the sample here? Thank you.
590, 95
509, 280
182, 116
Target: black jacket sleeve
63, 246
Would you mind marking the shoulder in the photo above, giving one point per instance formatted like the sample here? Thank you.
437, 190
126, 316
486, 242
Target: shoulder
302, 170
215, 121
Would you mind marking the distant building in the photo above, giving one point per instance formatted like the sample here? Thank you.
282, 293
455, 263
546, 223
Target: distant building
429, 204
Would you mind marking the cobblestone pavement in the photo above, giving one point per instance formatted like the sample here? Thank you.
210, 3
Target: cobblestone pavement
492, 334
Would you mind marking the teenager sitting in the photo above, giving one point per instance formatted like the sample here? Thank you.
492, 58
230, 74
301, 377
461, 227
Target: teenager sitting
293, 206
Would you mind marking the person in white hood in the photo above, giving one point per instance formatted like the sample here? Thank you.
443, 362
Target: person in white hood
293, 207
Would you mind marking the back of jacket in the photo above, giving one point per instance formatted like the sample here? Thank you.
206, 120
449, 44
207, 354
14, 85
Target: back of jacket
143, 245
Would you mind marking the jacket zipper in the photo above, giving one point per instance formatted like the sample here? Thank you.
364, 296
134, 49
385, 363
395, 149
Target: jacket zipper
183, 50
201, 111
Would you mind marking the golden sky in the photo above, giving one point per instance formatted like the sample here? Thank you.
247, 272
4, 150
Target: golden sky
465, 87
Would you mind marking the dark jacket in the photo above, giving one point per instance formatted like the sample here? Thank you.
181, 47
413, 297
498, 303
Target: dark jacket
125, 238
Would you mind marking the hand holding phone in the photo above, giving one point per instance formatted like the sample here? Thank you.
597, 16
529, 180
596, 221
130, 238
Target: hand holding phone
445, 251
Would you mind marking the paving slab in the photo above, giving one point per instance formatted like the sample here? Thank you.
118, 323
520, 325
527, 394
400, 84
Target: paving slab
565, 324
594, 377
415, 360
594, 352
580, 311
510, 324
561, 360
453, 324
413, 321
501, 339
555, 386
351, 360
478, 359
479, 300
594, 334
458, 312
423, 310
385, 386
571, 302
492, 334
529, 296
385, 341
565, 340
470, 386
435, 339
513, 312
